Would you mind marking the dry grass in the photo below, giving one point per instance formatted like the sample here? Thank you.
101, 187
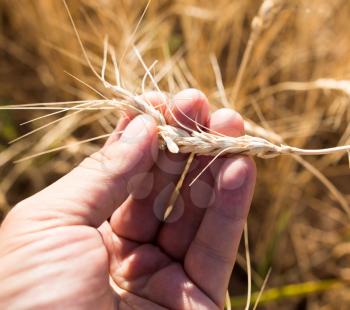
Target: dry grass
291, 85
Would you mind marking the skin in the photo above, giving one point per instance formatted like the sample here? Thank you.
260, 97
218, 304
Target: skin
100, 226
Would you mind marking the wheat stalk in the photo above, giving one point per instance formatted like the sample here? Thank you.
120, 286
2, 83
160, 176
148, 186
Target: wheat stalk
182, 139
266, 14
186, 140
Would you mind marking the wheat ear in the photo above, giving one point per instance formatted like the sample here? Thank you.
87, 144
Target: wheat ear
185, 140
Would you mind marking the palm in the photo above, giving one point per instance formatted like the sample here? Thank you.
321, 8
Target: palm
147, 275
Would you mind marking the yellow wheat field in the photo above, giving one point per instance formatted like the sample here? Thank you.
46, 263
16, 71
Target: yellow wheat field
285, 68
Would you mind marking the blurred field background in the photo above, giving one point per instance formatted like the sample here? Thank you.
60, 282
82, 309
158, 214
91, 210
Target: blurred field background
299, 226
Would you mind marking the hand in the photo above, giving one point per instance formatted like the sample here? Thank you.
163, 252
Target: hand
103, 220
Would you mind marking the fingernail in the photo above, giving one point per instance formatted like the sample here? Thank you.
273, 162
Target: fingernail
140, 185
190, 106
233, 174
202, 194
227, 122
139, 128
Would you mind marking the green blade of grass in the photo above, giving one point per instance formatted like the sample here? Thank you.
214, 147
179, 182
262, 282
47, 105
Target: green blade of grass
288, 291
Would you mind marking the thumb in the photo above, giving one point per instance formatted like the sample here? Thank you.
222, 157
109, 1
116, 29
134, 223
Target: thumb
89, 194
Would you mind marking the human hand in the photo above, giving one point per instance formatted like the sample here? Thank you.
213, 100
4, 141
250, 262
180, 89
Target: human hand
60, 247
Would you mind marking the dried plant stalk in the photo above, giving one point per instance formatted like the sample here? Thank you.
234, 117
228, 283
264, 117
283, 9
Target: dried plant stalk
267, 12
186, 140
342, 86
